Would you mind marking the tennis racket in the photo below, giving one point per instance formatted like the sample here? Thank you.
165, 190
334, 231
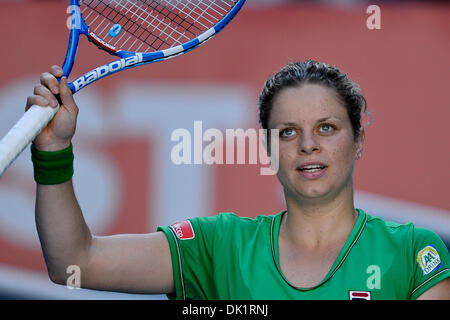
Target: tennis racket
137, 32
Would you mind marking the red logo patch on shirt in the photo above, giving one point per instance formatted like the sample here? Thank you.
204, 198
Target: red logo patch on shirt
183, 230
359, 295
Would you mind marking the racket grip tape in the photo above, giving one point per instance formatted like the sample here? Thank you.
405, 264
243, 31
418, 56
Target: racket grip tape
23, 132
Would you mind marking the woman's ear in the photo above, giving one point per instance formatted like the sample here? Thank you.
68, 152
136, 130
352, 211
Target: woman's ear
359, 143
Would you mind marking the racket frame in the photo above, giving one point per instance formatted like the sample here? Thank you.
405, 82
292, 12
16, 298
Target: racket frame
127, 59
37, 118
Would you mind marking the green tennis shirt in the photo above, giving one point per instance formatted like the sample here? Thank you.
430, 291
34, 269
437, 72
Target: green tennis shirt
231, 257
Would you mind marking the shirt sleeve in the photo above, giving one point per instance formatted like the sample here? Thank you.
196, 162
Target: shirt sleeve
191, 247
431, 261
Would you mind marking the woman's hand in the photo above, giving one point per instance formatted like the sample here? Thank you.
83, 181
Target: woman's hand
60, 130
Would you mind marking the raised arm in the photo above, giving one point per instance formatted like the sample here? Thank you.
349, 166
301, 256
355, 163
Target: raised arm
128, 263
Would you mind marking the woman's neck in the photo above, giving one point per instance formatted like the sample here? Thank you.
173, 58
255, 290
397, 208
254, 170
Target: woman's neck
317, 223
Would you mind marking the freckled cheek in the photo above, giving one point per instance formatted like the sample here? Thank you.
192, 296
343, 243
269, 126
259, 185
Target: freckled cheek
342, 156
287, 157
287, 162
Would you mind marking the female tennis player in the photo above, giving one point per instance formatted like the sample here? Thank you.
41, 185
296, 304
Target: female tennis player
320, 247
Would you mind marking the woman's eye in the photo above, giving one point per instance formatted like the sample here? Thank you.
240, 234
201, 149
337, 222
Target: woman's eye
288, 132
326, 128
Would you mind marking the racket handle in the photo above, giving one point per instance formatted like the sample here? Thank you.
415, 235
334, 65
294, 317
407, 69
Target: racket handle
23, 132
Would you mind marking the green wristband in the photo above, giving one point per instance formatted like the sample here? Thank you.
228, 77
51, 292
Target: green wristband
52, 167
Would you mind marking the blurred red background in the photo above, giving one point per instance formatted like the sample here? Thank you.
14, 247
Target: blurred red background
402, 68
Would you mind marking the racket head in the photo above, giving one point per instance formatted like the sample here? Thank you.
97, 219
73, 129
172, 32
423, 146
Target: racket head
143, 31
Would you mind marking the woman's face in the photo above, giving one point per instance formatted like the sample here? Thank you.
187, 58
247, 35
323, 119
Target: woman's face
317, 148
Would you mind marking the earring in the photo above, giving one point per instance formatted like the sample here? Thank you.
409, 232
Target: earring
358, 155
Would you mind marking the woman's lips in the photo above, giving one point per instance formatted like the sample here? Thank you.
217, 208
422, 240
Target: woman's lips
312, 170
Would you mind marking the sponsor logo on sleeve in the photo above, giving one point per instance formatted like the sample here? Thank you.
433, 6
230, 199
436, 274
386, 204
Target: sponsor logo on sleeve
183, 230
428, 259
359, 295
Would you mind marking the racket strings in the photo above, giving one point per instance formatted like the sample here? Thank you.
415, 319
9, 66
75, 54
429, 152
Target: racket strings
149, 25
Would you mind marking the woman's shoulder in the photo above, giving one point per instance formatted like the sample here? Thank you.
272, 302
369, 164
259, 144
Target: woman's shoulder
232, 219
381, 224
402, 233
256, 220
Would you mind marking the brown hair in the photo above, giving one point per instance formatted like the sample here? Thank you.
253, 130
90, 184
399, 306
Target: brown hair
310, 71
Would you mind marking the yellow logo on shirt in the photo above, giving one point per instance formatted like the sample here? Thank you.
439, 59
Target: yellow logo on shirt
428, 259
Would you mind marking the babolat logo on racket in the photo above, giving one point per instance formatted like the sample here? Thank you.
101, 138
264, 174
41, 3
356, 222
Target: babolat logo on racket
103, 71
183, 230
